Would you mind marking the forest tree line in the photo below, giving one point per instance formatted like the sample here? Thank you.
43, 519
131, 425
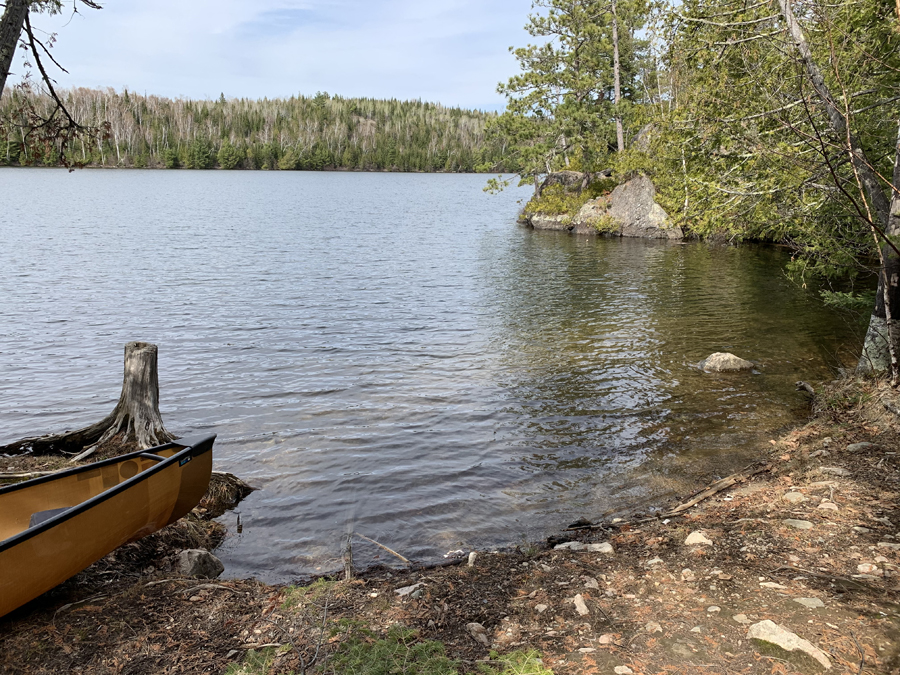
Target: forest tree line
298, 133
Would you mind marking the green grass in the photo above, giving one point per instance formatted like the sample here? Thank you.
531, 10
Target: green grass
297, 596
399, 652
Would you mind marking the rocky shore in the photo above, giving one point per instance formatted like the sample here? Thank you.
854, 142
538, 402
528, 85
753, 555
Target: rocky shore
629, 210
788, 567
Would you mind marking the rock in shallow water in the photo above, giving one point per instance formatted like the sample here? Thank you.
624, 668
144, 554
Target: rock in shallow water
724, 362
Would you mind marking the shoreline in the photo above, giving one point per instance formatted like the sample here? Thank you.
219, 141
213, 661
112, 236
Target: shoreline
811, 543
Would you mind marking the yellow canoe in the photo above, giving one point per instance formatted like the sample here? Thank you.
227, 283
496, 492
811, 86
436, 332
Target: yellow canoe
53, 527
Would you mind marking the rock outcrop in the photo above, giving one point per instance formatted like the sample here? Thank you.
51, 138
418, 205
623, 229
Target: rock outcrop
571, 181
630, 211
633, 206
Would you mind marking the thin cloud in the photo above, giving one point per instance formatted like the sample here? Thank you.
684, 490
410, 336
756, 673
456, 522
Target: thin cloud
452, 51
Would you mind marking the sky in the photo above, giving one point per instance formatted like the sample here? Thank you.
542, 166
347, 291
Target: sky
453, 52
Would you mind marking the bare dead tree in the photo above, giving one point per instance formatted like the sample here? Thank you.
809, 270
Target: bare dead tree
135, 421
44, 135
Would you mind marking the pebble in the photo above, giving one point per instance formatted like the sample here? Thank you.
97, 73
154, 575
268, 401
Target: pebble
860, 447
472, 556
812, 603
712, 609
655, 561
196, 598
793, 497
477, 631
571, 545
591, 582
687, 575
653, 627
696, 629
540, 609
697, 539
580, 605
861, 530
772, 584
836, 471
829, 506
867, 568
606, 639
623, 670
587, 650
798, 524
406, 590
742, 619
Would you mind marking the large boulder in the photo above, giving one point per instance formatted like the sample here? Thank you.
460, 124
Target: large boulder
630, 211
633, 205
644, 137
571, 181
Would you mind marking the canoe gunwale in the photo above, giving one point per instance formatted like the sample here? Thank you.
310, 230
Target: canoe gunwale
197, 446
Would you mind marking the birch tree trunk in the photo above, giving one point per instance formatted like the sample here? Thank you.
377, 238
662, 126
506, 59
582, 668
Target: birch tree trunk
10, 28
881, 342
617, 87
135, 422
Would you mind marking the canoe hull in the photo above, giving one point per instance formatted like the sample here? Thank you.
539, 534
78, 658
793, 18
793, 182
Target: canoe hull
107, 504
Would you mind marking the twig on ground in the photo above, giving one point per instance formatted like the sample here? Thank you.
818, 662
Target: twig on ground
25, 475
862, 654
207, 587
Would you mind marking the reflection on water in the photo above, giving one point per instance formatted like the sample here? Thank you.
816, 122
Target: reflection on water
392, 355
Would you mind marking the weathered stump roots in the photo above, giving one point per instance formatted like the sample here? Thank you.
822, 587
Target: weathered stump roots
135, 422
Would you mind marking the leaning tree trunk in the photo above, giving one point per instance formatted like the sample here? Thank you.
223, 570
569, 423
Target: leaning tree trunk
10, 29
135, 421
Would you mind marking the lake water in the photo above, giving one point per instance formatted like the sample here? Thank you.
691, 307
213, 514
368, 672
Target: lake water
391, 354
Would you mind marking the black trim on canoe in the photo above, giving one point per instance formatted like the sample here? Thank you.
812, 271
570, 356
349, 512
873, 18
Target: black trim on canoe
193, 446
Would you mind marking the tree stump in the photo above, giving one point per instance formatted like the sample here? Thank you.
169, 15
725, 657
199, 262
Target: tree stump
135, 422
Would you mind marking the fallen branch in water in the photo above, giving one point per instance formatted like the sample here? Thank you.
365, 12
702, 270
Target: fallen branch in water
718, 486
704, 494
391, 551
